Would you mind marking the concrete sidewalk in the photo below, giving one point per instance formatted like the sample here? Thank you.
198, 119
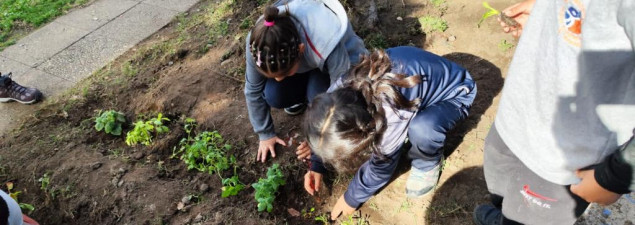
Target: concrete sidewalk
56, 56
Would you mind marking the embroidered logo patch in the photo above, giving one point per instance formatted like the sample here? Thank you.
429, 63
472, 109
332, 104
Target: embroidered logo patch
570, 21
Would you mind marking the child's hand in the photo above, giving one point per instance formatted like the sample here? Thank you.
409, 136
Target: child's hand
520, 13
341, 208
312, 182
591, 191
268, 146
304, 151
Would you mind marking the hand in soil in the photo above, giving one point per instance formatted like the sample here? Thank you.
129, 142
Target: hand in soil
267, 146
341, 208
517, 13
312, 182
304, 151
591, 191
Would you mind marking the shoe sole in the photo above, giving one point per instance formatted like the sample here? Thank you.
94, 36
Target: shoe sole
5, 100
295, 113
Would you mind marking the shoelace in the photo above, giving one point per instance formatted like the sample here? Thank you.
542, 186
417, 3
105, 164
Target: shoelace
13, 87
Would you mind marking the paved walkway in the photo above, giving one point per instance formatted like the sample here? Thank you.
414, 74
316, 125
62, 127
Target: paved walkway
56, 56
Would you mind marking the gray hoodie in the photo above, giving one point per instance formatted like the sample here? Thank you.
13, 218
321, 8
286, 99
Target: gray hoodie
331, 46
569, 97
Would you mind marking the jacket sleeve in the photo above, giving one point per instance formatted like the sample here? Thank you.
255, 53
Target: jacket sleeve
337, 63
617, 172
372, 176
259, 110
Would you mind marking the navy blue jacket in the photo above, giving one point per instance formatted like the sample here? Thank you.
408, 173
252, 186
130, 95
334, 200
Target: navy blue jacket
442, 80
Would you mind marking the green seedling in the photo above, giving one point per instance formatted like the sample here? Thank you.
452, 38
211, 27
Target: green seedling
14, 196
110, 122
323, 218
45, 180
231, 186
142, 132
266, 188
206, 153
504, 45
356, 220
429, 24
491, 11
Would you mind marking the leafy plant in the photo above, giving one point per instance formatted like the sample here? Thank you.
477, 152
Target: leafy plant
45, 180
323, 218
376, 40
110, 122
491, 11
231, 186
266, 188
14, 196
429, 24
142, 132
206, 152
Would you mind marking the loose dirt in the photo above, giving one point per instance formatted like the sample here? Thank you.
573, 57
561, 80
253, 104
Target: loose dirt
190, 70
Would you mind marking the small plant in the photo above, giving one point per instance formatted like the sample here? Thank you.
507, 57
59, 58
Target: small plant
323, 218
231, 186
266, 188
45, 180
14, 196
110, 122
491, 11
376, 40
206, 153
356, 219
142, 132
429, 24
437, 3
246, 24
128, 69
504, 46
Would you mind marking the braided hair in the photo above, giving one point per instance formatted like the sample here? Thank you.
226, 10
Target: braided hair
274, 42
340, 125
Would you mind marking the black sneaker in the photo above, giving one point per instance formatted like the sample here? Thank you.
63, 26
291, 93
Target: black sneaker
295, 109
12, 91
487, 215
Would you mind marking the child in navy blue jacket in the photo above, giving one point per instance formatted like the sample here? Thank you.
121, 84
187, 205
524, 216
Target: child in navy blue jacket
364, 118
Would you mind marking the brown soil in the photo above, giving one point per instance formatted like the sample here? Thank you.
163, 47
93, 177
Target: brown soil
100, 180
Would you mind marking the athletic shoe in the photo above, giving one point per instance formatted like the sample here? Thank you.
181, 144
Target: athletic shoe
12, 91
421, 182
295, 109
487, 215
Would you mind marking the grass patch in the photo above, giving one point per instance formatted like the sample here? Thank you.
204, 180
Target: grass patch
430, 24
20, 15
376, 41
437, 3
215, 19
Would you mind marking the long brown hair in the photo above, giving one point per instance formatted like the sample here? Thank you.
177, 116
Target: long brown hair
275, 47
341, 124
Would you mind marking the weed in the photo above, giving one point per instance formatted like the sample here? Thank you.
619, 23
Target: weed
405, 206
266, 188
490, 12
430, 24
14, 195
246, 24
143, 129
323, 218
128, 69
504, 45
110, 121
376, 40
356, 219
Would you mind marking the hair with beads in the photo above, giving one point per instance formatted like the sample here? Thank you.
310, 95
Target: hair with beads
345, 127
274, 42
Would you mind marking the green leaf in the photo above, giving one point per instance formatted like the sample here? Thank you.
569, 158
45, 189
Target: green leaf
99, 126
25, 206
117, 131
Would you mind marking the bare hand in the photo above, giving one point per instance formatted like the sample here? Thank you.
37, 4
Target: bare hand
591, 191
267, 146
312, 182
341, 208
520, 13
304, 151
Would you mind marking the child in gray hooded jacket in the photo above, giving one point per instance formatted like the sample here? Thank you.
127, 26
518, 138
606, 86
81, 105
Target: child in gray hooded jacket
294, 52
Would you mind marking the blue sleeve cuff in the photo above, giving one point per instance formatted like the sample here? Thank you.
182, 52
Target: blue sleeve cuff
350, 200
266, 135
317, 165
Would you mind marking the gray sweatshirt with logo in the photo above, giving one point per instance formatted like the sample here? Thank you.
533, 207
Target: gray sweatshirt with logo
569, 98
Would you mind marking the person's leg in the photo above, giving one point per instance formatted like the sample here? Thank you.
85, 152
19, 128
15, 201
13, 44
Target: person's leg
290, 91
318, 83
527, 198
427, 133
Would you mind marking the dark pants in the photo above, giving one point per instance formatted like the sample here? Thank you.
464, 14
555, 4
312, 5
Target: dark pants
299, 88
428, 130
522, 195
